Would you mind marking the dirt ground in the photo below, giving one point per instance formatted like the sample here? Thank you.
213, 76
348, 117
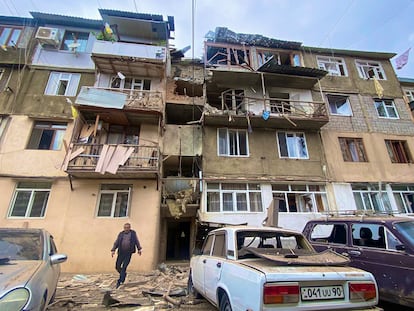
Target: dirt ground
140, 292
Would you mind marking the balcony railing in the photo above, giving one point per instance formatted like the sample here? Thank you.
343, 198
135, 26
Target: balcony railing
120, 98
240, 104
112, 158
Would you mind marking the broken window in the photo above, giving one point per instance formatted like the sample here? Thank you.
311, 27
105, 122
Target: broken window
292, 145
75, 41
223, 197
233, 100
408, 92
404, 197
386, 108
30, 199
333, 65
339, 105
232, 142
114, 200
369, 198
62, 83
300, 198
398, 151
227, 55
352, 149
279, 103
370, 70
119, 134
47, 136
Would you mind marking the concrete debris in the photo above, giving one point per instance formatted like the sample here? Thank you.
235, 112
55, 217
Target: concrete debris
161, 289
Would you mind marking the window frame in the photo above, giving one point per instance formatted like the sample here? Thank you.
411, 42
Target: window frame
364, 66
81, 48
336, 61
58, 135
8, 39
114, 193
347, 154
296, 147
33, 191
237, 146
55, 80
401, 195
250, 197
409, 93
368, 194
347, 102
385, 105
402, 155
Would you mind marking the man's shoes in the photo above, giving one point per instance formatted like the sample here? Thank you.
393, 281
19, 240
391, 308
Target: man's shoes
118, 283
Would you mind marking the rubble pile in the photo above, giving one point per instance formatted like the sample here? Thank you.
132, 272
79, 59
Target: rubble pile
161, 289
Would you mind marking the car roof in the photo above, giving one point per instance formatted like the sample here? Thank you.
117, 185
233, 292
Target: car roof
27, 230
234, 229
363, 218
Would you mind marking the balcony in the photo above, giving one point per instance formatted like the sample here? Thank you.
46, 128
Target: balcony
131, 59
247, 111
112, 160
120, 99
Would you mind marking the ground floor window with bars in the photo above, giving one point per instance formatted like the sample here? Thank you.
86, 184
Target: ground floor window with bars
30, 199
114, 200
303, 198
234, 197
371, 197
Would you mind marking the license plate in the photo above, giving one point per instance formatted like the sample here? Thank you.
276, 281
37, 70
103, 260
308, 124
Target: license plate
322, 292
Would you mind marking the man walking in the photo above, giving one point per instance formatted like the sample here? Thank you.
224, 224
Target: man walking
127, 242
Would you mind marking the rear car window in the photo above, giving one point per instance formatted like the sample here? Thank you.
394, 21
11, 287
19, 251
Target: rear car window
16, 245
329, 233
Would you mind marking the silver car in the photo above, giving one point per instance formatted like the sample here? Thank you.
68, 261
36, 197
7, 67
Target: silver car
29, 269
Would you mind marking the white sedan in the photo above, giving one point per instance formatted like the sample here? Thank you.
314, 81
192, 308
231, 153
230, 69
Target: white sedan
249, 268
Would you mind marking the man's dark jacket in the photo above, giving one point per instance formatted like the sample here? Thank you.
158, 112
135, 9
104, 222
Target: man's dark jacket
134, 242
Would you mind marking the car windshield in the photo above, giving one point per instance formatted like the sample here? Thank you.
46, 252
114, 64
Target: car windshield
15, 245
406, 228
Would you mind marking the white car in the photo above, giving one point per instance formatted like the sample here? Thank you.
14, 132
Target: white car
29, 269
249, 268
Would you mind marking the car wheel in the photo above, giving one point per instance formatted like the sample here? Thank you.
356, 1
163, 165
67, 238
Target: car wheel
225, 303
190, 288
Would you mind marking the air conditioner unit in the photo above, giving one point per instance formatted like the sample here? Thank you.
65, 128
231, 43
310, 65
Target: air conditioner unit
49, 36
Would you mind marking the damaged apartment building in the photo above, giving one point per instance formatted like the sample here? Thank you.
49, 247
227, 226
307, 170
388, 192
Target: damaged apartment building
104, 122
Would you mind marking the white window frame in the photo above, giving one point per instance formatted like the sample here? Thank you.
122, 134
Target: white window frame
57, 78
410, 94
234, 192
307, 192
30, 202
364, 66
386, 104
400, 196
296, 151
370, 196
114, 193
237, 151
332, 65
347, 102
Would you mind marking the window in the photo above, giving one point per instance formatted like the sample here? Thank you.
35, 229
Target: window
62, 83
47, 136
114, 200
410, 95
398, 151
352, 149
386, 108
373, 235
30, 199
75, 41
369, 197
222, 197
370, 69
9, 36
292, 145
207, 245
329, 233
339, 105
333, 65
300, 198
404, 197
232, 142
219, 248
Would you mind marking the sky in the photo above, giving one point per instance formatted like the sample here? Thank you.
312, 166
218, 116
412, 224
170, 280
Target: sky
366, 25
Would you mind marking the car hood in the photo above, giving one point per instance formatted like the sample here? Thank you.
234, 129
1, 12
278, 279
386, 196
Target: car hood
17, 273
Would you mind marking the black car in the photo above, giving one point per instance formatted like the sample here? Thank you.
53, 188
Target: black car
382, 245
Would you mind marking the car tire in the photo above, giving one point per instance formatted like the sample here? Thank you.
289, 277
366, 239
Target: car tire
190, 288
225, 303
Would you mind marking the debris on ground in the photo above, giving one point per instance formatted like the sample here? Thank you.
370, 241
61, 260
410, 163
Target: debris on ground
161, 289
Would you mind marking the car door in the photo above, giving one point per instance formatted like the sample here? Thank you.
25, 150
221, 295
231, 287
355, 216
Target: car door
55, 268
198, 265
213, 266
391, 268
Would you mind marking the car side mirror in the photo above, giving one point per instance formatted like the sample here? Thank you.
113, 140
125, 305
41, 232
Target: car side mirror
400, 247
58, 258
